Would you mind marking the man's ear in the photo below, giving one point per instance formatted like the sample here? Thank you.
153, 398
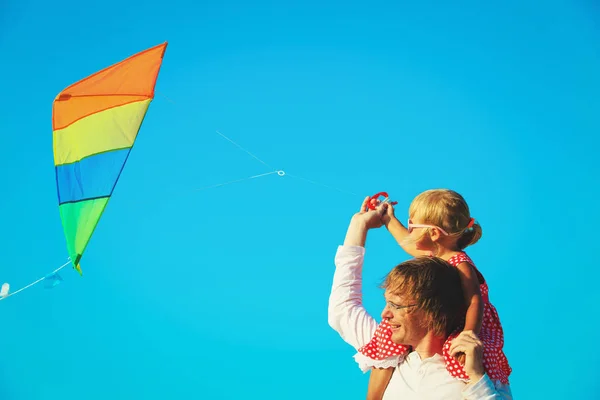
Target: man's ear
425, 322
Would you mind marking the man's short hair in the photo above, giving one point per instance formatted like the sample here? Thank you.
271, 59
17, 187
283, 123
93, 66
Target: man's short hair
434, 286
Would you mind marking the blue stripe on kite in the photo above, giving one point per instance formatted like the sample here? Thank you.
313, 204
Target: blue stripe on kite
91, 177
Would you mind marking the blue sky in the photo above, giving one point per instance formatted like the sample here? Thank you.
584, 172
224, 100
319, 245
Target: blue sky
222, 293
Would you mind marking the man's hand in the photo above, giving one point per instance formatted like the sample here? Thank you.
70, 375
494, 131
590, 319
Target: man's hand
469, 344
362, 221
371, 218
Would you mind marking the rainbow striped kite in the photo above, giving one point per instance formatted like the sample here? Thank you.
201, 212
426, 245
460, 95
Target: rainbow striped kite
95, 123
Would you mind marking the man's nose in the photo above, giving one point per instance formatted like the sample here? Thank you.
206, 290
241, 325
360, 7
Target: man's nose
386, 313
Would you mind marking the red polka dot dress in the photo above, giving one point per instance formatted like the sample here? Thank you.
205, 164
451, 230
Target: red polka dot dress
383, 353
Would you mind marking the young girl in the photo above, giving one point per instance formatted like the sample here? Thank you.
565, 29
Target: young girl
439, 225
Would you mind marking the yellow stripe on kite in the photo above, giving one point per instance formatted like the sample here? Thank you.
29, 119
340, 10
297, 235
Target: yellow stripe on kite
115, 128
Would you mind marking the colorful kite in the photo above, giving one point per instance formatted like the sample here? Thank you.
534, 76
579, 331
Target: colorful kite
95, 123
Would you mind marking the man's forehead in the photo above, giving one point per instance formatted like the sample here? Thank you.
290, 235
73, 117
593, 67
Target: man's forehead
394, 297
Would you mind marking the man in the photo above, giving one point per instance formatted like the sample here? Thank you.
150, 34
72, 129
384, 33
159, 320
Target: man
424, 303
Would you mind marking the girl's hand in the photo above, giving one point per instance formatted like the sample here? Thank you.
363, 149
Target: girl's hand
389, 214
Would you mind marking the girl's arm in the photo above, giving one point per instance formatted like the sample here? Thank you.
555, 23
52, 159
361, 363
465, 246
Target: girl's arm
470, 285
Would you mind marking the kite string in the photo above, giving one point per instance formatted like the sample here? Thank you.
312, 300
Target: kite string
274, 170
321, 184
281, 172
252, 155
37, 281
235, 181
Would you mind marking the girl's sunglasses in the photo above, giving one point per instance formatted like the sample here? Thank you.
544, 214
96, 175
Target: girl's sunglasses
411, 226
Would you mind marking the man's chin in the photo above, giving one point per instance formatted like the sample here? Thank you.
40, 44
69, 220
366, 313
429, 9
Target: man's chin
397, 338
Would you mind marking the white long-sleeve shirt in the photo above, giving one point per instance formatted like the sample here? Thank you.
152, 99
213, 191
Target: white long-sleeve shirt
413, 378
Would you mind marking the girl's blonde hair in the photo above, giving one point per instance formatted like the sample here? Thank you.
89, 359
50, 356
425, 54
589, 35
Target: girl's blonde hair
448, 210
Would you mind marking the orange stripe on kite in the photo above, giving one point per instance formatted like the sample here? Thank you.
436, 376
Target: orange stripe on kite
119, 84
